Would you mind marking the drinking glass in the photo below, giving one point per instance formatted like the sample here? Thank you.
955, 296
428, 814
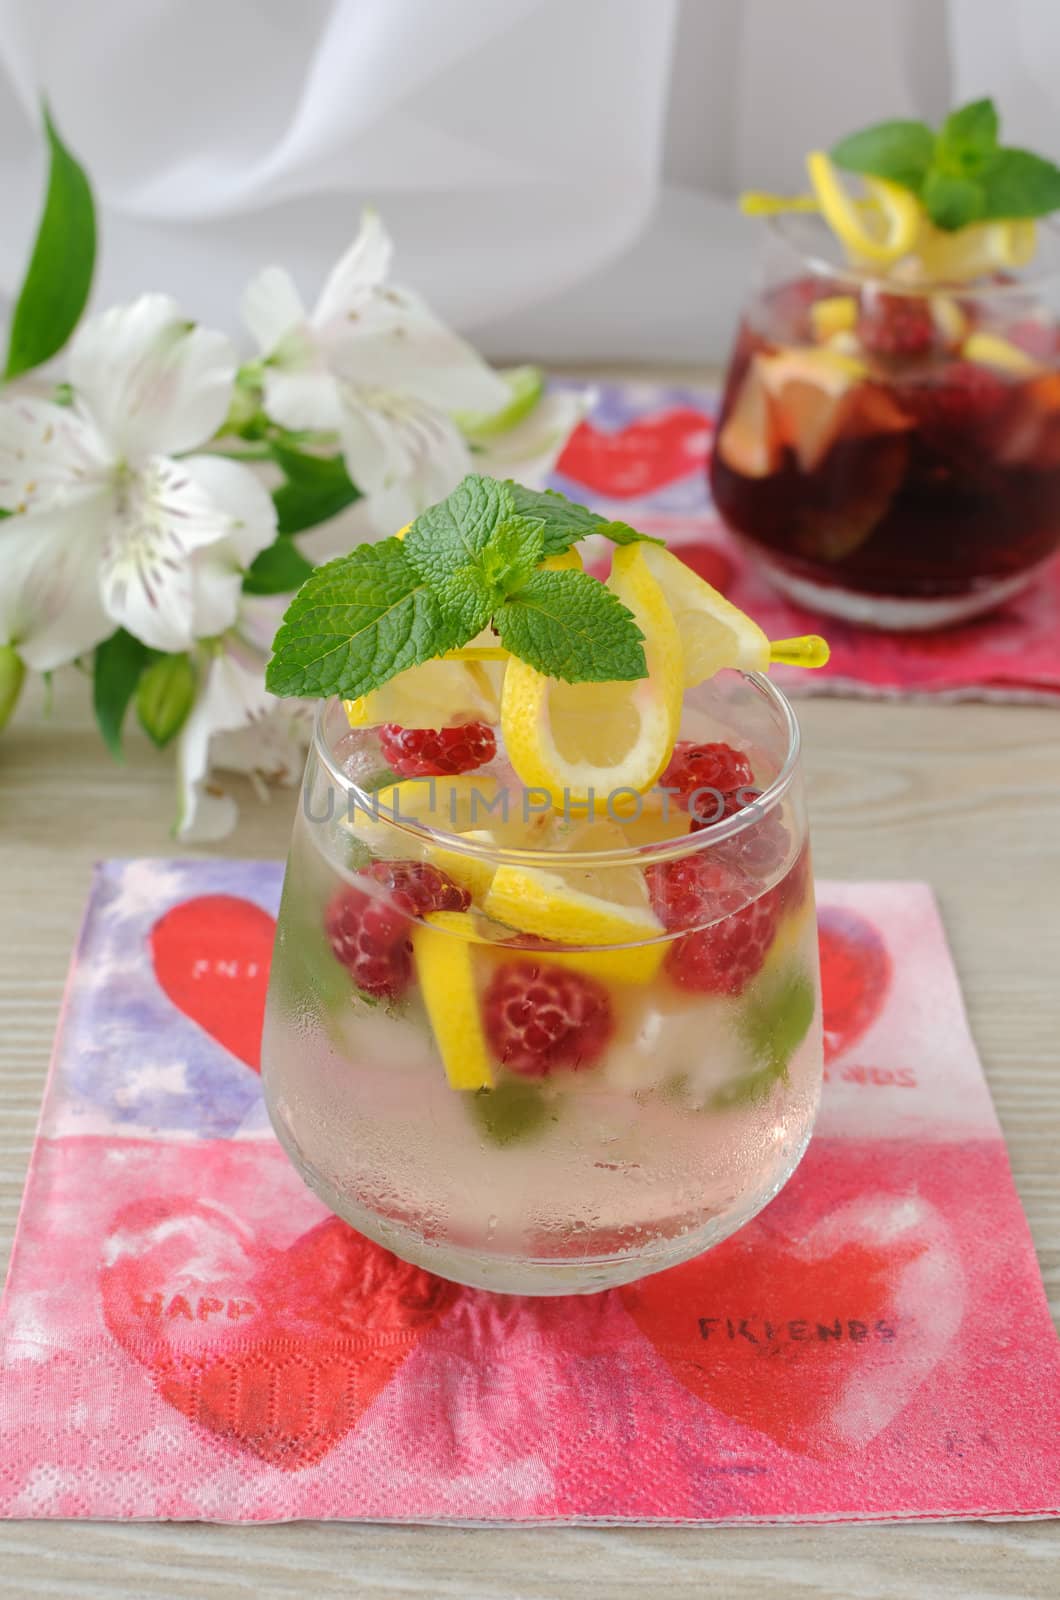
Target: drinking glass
703, 1085
889, 452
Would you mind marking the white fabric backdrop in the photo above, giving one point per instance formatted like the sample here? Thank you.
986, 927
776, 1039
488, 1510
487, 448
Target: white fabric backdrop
559, 175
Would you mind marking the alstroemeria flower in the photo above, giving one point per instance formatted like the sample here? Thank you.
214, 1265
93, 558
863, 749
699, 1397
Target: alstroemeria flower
109, 528
373, 364
235, 725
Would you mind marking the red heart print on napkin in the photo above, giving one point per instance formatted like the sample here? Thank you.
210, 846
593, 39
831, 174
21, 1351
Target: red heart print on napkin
855, 976
211, 958
276, 1352
816, 1339
635, 460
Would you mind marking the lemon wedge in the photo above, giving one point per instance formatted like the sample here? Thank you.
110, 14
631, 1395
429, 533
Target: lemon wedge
990, 350
450, 805
429, 696
575, 903
836, 313
580, 742
880, 233
974, 251
714, 633
442, 947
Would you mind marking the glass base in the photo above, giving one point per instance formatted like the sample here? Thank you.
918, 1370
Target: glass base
582, 1274
894, 613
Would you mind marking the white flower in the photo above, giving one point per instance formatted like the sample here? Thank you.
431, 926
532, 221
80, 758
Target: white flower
236, 725
529, 451
373, 364
110, 529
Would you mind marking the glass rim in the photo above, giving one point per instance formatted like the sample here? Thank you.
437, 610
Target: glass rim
781, 228
699, 842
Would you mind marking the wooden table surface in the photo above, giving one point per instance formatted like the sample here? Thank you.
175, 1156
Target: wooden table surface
964, 796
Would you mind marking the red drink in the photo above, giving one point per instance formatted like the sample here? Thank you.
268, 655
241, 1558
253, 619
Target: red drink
893, 456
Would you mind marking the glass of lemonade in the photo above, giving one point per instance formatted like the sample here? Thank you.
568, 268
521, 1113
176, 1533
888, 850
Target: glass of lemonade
546, 1051
889, 451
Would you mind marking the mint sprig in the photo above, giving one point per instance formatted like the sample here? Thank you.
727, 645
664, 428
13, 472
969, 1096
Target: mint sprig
962, 174
471, 562
355, 622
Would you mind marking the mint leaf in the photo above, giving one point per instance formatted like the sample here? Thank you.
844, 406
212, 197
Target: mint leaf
901, 151
1017, 183
452, 535
59, 274
465, 599
952, 202
445, 546
356, 622
568, 625
317, 489
165, 695
564, 521
116, 670
968, 138
512, 554
514, 1110
774, 1025
279, 569
622, 533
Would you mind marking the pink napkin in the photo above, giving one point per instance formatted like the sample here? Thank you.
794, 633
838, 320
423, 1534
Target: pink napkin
187, 1333
642, 456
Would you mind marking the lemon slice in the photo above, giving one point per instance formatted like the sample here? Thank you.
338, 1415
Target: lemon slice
576, 904
714, 633
580, 742
429, 696
881, 233
974, 251
451, 805
990, 350
442, 947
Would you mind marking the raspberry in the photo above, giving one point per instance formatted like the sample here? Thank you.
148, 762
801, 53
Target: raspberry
694, 889
418, 887
722, 958
705, 766
371, 939
962, 395
541, 1019
437, 752
896, 325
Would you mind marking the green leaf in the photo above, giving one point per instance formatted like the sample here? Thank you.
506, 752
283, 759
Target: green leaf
119, 662
12, 677
465, 599
514, 1110
279, 569
774, 1024
59, 275
317, 489
565, 522
526, 386
968, 138
165, 695
356, 622
451, 535
901, 151
1017, 183
512, 555
952, 202
622, 533
568, 625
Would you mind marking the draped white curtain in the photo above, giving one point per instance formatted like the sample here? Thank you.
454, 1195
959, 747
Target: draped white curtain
559, 175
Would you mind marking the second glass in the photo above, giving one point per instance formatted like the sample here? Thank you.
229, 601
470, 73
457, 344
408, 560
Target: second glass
889, 452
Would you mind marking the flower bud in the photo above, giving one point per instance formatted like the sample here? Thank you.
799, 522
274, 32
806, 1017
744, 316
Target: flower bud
164, 696
12, 675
